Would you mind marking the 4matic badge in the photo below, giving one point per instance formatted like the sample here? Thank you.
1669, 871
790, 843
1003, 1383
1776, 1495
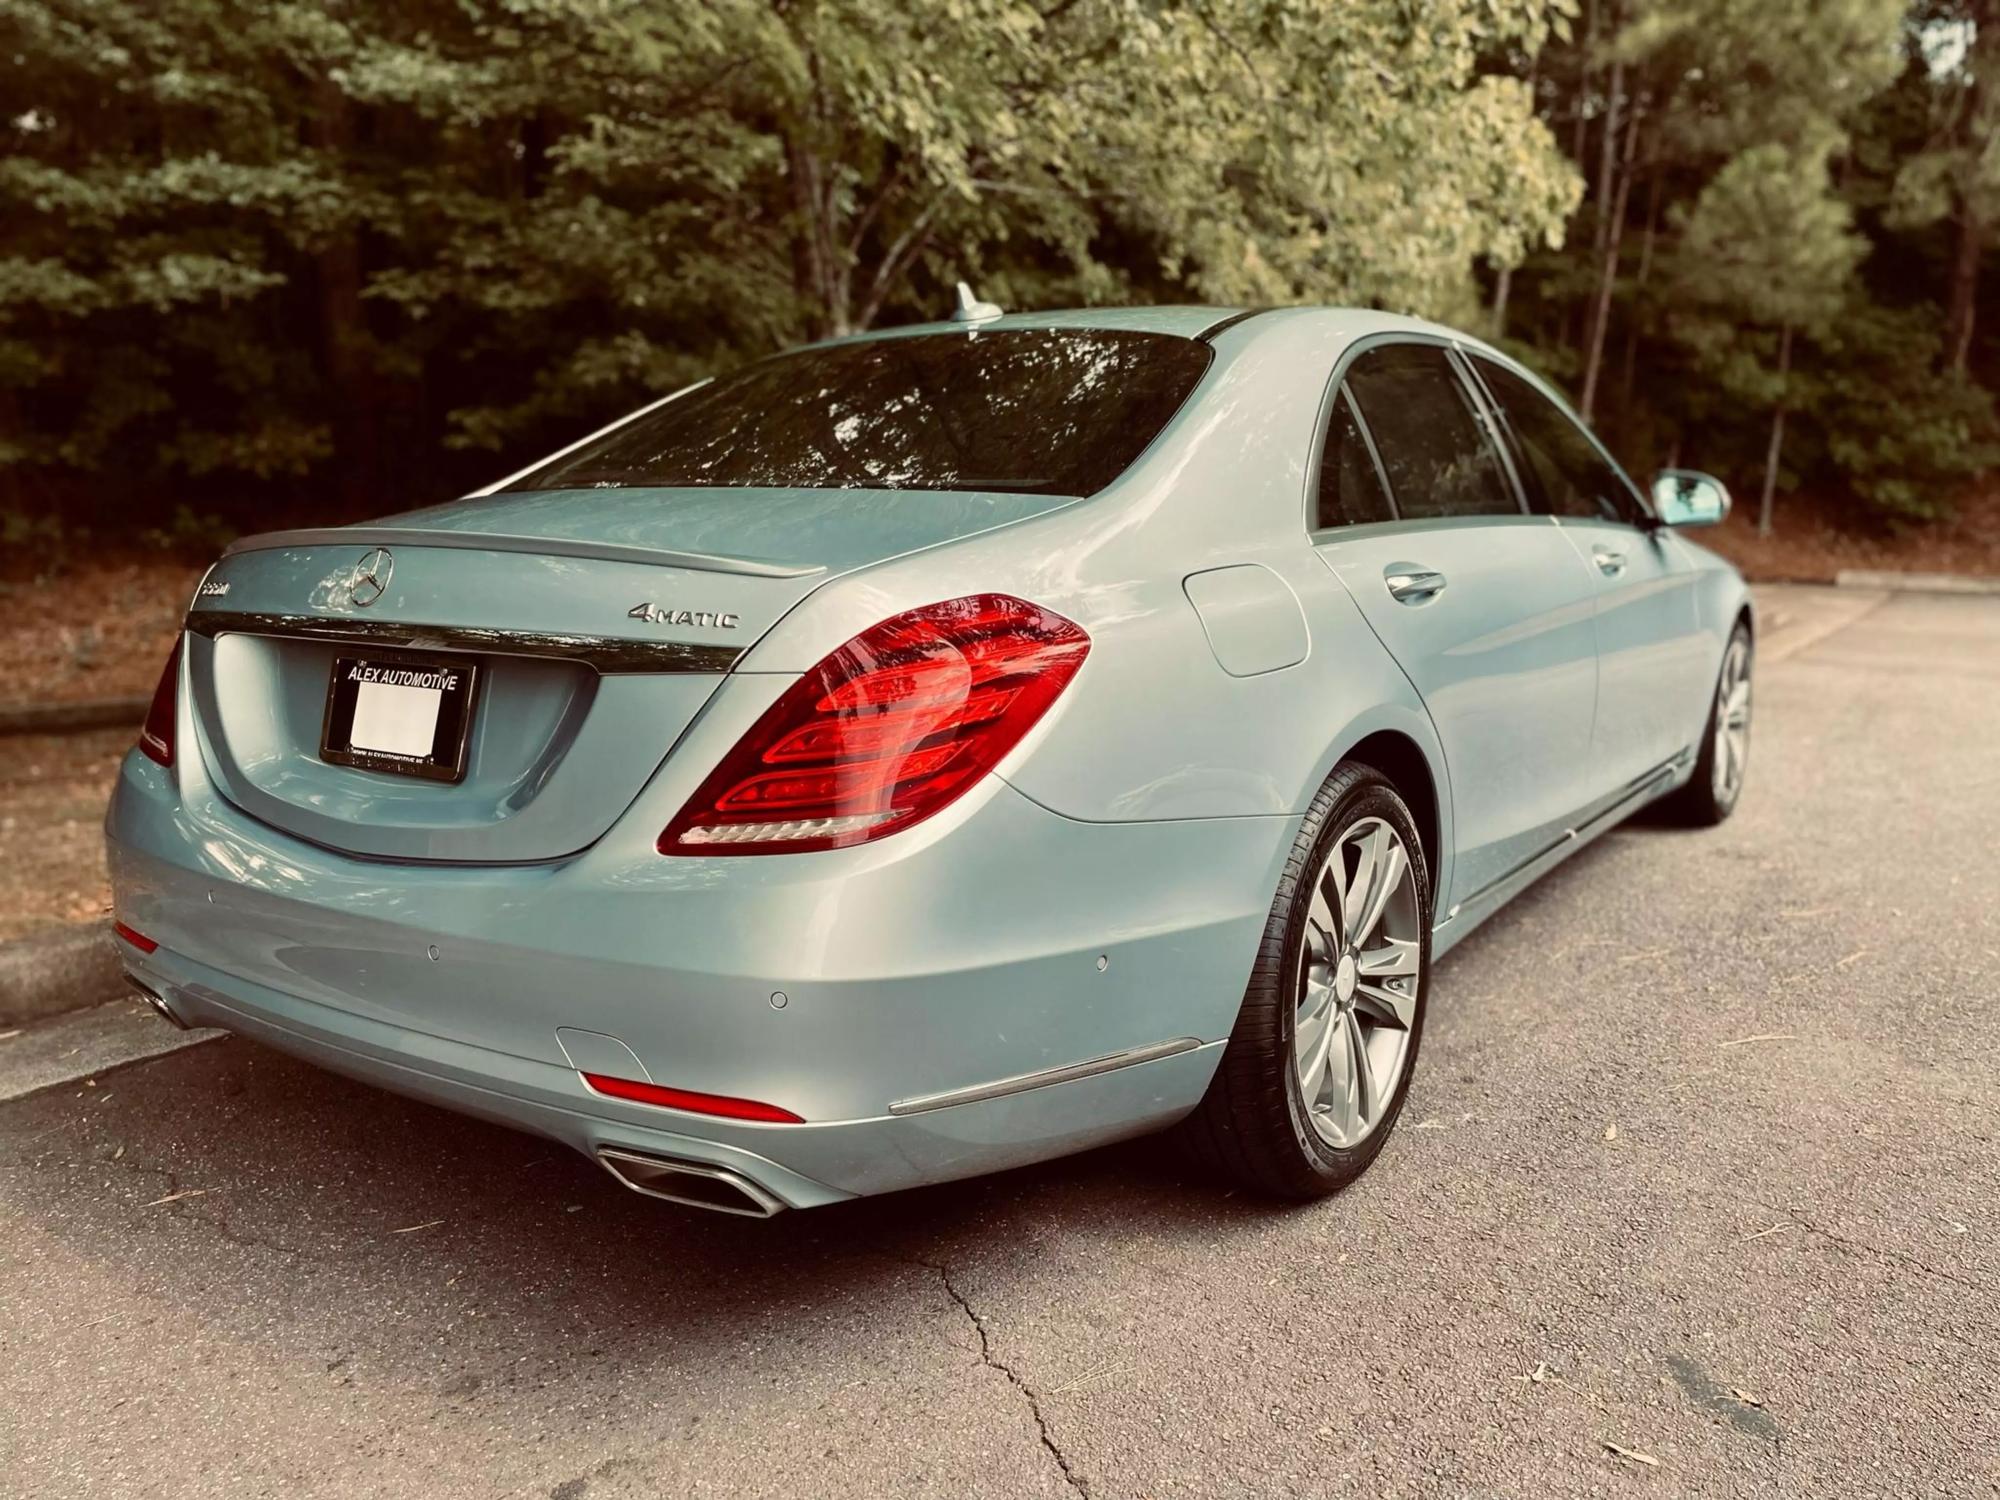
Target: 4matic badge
660, 614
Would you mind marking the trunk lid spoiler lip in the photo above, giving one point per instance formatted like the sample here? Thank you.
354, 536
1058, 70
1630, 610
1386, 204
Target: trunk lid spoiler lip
483, 541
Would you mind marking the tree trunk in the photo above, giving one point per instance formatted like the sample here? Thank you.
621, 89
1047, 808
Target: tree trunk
1579, 141
1628, 378
1964, 306
1607, 266
1607, 157
818, 269
354, 402
1502, 285
1772, 453
1963, 299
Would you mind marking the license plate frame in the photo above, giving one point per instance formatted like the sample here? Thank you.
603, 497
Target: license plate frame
451, 730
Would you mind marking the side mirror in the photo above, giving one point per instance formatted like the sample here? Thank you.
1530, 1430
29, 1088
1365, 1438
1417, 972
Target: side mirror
1688, 497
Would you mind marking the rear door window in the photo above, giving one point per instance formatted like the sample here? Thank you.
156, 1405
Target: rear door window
1051, 411
1350, 486
1435, 448
1568, 474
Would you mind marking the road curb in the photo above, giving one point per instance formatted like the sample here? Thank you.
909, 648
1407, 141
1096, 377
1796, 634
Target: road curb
1793, 617
47, 973
64, 718
1915, 583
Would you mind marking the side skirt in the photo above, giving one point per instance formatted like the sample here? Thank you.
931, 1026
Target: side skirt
1463, 918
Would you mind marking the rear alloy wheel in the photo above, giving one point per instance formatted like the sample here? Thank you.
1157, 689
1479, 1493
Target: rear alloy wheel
1710, 794
1358, 970
1323, 1049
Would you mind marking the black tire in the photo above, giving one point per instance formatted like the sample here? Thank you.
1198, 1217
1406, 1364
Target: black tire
1252, 1124
1700, 803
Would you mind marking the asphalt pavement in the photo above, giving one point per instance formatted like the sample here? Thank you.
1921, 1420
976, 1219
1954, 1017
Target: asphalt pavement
1695, 1194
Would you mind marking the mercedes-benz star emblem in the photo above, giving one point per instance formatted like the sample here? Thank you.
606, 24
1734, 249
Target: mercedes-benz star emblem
370, 580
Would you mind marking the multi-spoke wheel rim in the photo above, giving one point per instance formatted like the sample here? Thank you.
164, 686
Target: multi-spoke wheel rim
1732, 722
1358, 982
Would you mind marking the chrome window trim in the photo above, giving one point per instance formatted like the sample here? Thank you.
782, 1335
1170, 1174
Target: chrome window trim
1493, 421
1327, 536
1641, 504
605, 654
1336, 385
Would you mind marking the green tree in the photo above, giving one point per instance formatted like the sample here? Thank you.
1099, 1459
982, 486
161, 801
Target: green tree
243, 241
1688, 84
1767, 256
154, 190
1739, 240
1954, 177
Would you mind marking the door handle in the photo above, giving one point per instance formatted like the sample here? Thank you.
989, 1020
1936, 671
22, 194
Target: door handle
1409, 584
1609, 563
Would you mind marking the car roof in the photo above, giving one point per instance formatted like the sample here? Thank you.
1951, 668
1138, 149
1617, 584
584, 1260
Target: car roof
1187, 322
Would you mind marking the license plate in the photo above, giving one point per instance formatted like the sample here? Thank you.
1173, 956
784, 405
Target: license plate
407, 715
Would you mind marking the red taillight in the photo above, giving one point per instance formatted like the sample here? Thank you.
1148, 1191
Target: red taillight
896, 724
156, 738
136, 938
700, 1104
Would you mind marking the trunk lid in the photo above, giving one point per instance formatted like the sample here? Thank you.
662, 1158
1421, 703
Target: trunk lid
599, 622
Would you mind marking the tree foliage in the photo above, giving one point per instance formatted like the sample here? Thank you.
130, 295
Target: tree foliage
264, 256
1761, 290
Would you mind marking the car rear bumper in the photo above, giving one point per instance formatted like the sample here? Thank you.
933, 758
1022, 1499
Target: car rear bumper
1071, 983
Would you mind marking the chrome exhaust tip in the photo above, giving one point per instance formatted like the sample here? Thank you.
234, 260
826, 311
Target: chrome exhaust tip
160, 1007
690, 1183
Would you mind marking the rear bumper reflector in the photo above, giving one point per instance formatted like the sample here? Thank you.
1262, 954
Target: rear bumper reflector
137, 939
720, 1105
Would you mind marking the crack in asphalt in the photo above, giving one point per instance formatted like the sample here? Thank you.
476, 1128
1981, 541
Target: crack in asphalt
1862, 1249
992, 1361
183, 1208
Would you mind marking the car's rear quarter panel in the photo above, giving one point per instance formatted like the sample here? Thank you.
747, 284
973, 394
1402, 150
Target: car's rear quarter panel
1154, 728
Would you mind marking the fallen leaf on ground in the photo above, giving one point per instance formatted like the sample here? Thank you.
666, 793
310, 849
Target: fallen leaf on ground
1637, 1457
1611, 1132
1787, 1224
1763, 1036
1071, 1385
1745, 1397
176, 1197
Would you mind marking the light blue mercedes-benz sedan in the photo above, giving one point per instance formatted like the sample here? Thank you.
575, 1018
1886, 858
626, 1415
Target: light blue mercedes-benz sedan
934, 751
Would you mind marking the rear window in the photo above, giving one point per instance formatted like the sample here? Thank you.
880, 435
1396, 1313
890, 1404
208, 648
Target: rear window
1031, 411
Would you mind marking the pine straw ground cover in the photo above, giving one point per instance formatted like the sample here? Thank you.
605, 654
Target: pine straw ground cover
94, 630
52, 794
1806, 547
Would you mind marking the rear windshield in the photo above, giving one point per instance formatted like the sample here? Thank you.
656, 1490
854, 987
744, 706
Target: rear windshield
1032, 411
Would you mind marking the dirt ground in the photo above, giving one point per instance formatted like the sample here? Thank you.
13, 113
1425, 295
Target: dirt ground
98, 630
1806, 547
52, 794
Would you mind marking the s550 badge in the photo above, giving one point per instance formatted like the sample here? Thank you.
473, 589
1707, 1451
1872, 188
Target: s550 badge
660, 614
